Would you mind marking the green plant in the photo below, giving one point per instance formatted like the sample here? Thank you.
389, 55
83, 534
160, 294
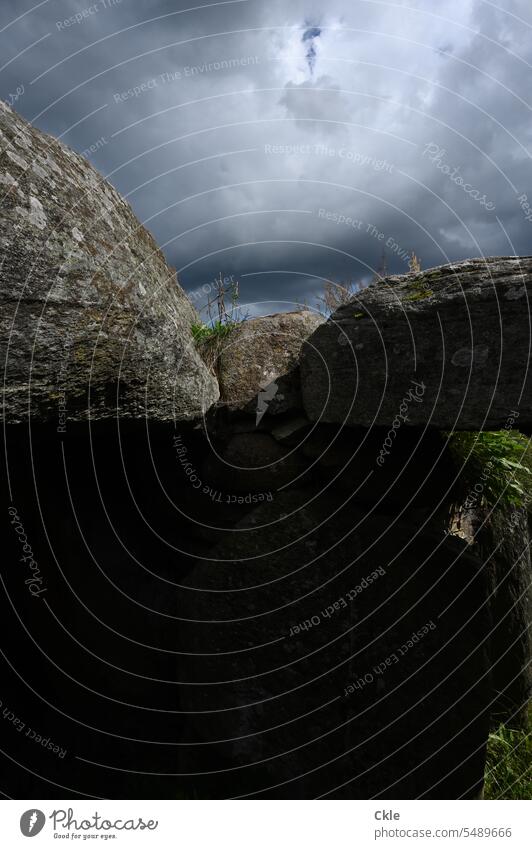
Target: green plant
508, 772
209, 332
209, 337
495, 466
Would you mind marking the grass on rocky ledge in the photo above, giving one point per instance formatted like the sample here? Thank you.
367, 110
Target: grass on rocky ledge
495, 467
210, 332
508, 772
210, 340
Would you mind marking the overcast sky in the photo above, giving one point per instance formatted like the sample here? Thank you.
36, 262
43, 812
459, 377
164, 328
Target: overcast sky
246, 134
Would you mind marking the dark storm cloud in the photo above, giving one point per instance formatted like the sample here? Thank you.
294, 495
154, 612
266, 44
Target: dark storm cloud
287, 143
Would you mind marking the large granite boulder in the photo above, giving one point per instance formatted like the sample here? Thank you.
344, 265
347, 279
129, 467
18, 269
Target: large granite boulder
93, 321
501, 538
448, 347
504, 541
258, 366
335, 651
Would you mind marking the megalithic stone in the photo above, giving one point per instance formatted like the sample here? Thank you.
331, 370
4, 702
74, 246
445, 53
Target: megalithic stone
446, 348
93, 321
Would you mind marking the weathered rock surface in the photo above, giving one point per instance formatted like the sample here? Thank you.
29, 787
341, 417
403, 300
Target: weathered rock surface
254, 462
93, 320
284, 595
502, 539
417, 474
258, 367
458, 337
336, 652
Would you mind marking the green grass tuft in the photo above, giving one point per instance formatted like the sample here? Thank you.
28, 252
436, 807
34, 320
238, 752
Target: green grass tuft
509, 765
209, 332
495, 467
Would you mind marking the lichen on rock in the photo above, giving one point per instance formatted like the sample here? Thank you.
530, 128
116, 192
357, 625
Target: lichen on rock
462, 330
80, 273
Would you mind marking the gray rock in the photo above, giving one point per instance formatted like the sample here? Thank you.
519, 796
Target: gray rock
501, 538
505, 547
448, 347
418, 473
291, 432
94, 323
298, 639
258, 365
254, 462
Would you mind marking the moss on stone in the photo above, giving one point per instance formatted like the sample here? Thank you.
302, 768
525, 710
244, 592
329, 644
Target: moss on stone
419, 295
